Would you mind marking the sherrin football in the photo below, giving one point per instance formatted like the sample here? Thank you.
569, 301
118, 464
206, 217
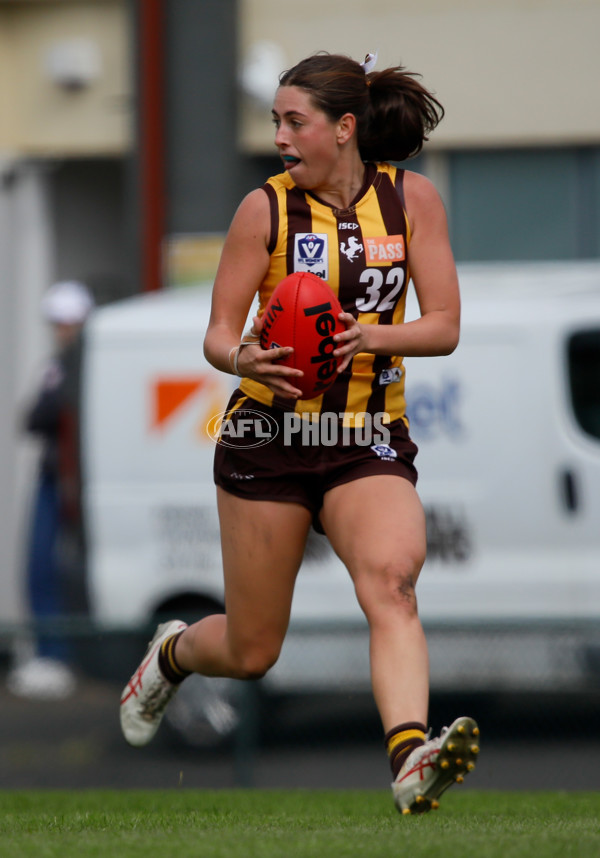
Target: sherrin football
303, 313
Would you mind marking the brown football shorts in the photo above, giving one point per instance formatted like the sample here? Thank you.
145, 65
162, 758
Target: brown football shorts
267, 453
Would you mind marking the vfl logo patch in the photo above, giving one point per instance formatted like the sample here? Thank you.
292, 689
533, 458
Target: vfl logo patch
390, 376
311, 253
384, 249
385, 452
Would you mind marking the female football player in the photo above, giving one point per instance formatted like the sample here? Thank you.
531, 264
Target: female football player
338, 125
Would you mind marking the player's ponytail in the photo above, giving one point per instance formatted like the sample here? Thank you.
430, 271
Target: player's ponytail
401, 115
394, 112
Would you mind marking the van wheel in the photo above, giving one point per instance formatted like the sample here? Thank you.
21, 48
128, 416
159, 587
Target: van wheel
205, 712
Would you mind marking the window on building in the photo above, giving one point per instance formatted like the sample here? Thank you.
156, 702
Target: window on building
525, 204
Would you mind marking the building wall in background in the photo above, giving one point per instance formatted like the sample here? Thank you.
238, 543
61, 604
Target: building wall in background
42, 40
509, 72
517, 156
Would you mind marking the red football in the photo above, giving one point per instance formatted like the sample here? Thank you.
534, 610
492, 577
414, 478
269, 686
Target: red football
303, 313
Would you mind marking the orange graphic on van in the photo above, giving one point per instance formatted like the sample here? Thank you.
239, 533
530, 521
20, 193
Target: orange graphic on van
171, 394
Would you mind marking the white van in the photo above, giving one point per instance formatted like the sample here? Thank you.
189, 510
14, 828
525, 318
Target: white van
509, 435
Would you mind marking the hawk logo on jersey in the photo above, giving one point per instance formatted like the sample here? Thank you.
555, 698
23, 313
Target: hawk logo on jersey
310, 253
351, 250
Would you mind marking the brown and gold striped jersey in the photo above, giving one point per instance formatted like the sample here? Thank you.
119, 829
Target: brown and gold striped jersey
362, 254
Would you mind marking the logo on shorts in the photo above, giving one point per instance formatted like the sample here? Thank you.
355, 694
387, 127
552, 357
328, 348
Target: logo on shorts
242, 428
310, 253
385, 452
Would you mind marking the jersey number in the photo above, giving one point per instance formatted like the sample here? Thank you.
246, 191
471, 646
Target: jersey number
375, 281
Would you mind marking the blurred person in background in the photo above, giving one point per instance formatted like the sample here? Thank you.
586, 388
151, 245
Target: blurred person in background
47, 673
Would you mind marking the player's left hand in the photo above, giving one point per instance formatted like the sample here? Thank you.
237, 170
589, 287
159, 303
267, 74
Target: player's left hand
263, 365
349, 342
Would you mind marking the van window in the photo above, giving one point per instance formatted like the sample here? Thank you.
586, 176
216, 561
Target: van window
584, 375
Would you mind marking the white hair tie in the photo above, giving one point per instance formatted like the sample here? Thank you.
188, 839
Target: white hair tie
369, 63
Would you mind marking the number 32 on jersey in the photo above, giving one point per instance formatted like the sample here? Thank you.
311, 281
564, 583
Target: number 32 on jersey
382, 290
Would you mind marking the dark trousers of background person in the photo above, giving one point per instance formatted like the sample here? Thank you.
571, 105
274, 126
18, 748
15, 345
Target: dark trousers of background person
44, 579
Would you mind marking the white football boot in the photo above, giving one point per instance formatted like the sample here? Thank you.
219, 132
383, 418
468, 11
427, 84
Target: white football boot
146, 695
431, 768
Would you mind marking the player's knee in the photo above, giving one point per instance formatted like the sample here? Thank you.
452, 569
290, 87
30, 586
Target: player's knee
390, 587
255, 662
401, 587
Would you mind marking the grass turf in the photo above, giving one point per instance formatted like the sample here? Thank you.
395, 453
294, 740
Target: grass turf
295, 824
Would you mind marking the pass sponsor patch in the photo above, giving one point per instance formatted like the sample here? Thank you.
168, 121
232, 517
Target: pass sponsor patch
385, 248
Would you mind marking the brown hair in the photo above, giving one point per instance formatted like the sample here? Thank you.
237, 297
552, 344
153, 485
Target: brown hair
394, 111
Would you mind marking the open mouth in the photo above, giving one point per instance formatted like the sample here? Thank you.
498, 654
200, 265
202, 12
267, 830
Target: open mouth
289, 160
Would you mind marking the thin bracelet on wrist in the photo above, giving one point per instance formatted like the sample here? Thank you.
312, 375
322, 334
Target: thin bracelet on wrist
236, 356
232, 359
235, 352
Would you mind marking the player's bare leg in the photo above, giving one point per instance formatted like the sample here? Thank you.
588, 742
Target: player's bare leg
376, 525
263, 544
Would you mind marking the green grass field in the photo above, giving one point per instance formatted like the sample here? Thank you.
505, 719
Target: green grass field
290, 824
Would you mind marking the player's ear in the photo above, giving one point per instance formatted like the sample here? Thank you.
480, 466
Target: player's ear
346, 126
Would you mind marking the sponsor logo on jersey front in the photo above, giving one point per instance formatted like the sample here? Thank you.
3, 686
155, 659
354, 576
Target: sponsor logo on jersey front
385, 248
310, 253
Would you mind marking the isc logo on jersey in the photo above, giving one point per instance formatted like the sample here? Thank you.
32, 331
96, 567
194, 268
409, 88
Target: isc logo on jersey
310, 253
